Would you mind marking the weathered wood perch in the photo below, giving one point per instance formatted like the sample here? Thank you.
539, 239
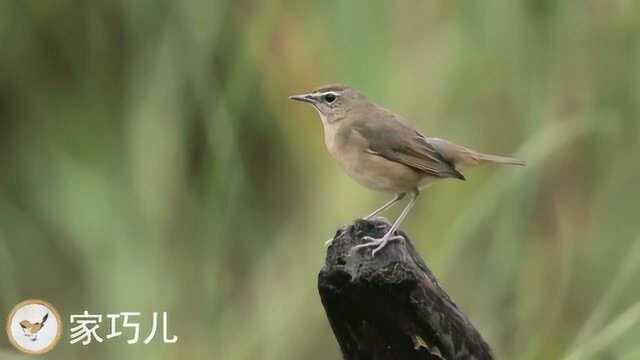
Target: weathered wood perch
391, 306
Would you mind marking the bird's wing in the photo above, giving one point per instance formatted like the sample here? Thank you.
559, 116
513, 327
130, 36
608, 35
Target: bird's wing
395, 139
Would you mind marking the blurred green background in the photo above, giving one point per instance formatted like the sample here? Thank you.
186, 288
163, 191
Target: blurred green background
150, 161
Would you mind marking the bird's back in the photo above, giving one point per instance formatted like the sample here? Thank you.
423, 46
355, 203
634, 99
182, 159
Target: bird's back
396, 139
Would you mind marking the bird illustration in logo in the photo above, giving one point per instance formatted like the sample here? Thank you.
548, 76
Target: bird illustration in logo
31, 329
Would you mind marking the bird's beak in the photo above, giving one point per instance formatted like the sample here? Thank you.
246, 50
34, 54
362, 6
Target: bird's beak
303, 97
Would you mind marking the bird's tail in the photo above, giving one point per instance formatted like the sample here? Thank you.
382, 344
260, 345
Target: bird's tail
495, 159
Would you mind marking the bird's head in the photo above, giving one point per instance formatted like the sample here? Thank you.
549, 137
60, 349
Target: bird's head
30, 329
333, 102
26, 325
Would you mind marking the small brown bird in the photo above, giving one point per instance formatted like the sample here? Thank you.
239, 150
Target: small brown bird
31, 329
383, 151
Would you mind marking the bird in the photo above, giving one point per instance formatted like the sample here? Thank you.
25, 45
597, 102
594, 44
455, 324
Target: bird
31, 329
383, 151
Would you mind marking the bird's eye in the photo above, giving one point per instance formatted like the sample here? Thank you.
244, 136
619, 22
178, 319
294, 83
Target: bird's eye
329, 98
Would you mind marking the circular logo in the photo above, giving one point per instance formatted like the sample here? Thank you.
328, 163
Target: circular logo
34, 327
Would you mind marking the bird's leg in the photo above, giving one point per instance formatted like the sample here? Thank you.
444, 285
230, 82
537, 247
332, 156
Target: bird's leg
382, 242
398, 197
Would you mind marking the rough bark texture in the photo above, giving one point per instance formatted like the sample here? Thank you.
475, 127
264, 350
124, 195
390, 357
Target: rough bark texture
391, 306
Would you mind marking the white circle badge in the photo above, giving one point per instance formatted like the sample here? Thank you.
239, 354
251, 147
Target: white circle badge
34, 327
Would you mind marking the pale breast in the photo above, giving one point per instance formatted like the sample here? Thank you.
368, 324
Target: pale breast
349, 148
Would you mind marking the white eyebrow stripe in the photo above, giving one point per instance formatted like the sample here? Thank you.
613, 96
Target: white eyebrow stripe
320, 94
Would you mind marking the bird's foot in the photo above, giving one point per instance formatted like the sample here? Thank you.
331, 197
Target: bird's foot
379, 244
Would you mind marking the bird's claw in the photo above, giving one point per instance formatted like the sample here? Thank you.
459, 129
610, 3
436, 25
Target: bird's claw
378, 243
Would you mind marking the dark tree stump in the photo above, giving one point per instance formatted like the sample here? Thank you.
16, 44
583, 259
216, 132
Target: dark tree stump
391, 306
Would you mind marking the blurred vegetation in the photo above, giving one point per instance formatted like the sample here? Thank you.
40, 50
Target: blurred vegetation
150, 161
